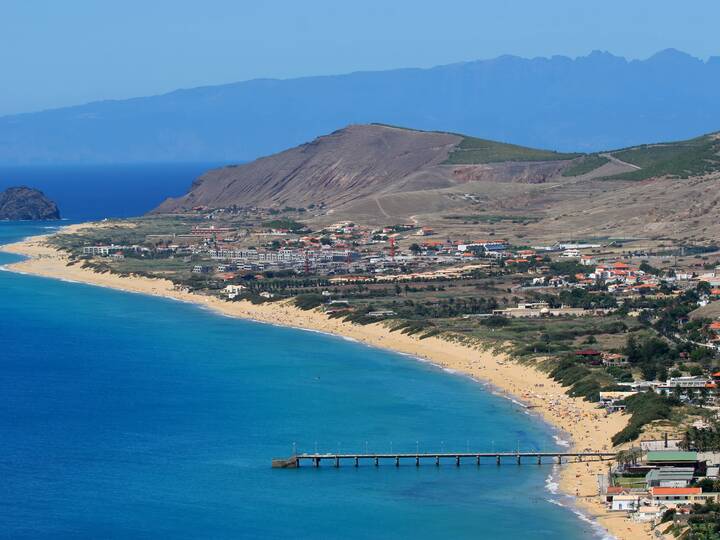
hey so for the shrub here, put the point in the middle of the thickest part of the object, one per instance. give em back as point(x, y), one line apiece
point(309, 301)
point(644, 408)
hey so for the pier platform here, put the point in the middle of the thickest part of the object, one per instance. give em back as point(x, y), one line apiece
point(457, 458)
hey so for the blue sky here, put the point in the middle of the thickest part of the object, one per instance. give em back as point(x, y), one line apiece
point(55, 53)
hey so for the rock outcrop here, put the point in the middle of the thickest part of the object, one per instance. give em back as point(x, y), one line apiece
point(24, 203)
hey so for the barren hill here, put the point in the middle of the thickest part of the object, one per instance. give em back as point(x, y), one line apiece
point(379, 175)
point(366, 162)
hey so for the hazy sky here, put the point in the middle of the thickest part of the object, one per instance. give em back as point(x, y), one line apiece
point(63, 52)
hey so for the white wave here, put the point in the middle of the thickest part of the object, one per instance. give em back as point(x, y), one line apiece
point(598, 530)
point(561, 442)
point(552, 485)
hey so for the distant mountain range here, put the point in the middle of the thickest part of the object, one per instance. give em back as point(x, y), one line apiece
point(589, 103)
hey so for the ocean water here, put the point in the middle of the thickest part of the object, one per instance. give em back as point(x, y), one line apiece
point(85, 192)
point(128, 416)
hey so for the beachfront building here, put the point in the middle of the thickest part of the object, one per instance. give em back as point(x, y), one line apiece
point(614, 401)
point(232, 291)
point(677, 459)
point(675, 477)
point(104, 251)
point(673, 497)
point(625, 503)
point(689, 386)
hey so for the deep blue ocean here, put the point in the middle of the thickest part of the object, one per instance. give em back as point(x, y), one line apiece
point(86, 192)
point(128, 416)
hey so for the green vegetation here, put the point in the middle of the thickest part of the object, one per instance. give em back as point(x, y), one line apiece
point(284, 223)
point(644, 408)
point(585, 165)
point(309, 301)
point(583, 381)
point(677, 160)
point(702, 439)
point(703, 522)
point(630, 481)
point(472, 151)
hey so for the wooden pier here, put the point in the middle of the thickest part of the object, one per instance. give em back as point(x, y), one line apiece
point(457, 458)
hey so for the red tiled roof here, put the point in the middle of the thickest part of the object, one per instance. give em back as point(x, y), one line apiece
point(676, 491)
point(587, 352)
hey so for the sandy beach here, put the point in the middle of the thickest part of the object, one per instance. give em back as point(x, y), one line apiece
point(589, 428)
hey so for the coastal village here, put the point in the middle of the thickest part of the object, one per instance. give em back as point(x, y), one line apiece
point(630, 326)
point(360, 270)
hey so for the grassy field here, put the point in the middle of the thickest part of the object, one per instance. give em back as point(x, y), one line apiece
point(127, 232)
point(681, 159)
point(547, 335)
point(472, 151)
point(585, 165)
point(630, 482)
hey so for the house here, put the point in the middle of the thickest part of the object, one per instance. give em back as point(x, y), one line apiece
point(232, 291)
point(613, 400)
point(685, 385)
point(624, 503)
point(570, 254)
point(590, 356)
point(675, 477)
point(200, 269)
point(674, 495)
point(382, 313)
point(614, 360)
point(612, 491)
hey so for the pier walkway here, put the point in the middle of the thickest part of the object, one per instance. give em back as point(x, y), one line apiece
point(437, 458)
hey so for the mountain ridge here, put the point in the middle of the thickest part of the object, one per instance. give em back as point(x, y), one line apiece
point(586, 104)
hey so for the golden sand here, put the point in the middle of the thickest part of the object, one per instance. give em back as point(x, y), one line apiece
point(590, 428)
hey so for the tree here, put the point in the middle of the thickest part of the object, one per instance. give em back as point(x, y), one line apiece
point(703, 288)
point(696, 371)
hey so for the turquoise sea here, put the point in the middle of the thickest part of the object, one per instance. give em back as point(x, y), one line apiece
point(128, 416)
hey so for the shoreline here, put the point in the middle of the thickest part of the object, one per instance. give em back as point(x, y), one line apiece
point(587, 426)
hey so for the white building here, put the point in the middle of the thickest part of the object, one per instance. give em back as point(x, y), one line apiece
point(625, 503)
